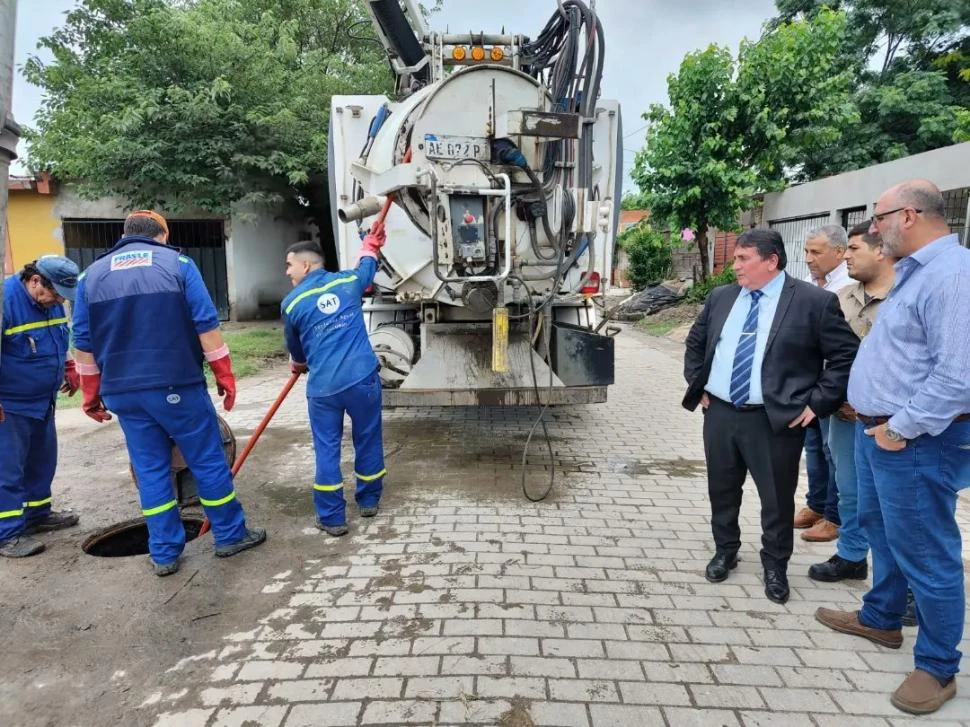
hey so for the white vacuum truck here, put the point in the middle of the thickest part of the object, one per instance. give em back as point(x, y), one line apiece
point(499, 168)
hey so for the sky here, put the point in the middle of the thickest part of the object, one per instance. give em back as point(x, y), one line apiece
point(645, 41)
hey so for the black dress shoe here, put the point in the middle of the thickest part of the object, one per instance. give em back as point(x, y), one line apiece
point(776, 585)
point(717, 569)
point(837, 569)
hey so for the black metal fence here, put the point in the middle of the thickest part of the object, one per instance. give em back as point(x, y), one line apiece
point(202, 240)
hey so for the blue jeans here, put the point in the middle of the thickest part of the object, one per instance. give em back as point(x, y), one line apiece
point(362, 402)
point(907, 506)
point(823, 492)
point(852, 544)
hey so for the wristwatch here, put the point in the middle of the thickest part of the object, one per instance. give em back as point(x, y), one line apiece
point(893, 436)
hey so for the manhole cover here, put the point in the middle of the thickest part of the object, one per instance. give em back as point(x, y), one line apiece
point(131, 538)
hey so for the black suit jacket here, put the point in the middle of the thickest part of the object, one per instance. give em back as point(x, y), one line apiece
point(807, 358)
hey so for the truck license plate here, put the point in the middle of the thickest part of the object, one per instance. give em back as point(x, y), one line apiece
point(456, 147)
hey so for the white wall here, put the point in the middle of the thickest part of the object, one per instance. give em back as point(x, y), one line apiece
point(948, 168)
point(255, 264)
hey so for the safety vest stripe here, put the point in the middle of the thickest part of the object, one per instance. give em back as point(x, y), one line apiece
point(220, 501)
point(328, 488)
point(11, 513)
point(161, 508)
point(314, 291)
point(369, 478)
point(38, 503)
point(35, 324)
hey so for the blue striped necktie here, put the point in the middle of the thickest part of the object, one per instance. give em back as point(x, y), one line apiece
point(744, 355)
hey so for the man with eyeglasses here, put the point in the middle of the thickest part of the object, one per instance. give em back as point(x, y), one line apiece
point(910, 385)
point(34, 365)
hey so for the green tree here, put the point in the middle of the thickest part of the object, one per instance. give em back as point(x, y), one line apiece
point(911, 66)
point(732, 130)
point(649, 253)
point(200, 103)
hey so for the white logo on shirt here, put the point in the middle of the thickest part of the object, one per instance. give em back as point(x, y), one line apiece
point(328, 303)
point(173, 398)
point(133, 259)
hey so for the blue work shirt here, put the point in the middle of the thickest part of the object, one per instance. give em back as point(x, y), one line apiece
point(722, 368)
point(914, 366)
point(324, 328)
point(35, 343)
point(139, 310)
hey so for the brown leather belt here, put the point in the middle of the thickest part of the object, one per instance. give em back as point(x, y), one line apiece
point(876, 421)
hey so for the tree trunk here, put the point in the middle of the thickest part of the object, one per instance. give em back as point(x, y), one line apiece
point(703, 249)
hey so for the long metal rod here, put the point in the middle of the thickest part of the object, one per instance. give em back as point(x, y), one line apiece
point(290, 383)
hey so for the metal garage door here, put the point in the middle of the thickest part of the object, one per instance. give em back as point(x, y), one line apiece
point(793, 232)
point(202, 240)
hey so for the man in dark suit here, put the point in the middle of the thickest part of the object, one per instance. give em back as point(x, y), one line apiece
point(765, 358)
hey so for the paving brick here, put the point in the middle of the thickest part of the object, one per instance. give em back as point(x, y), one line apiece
point(185, 718)
point(746, 674)
point(586, 690)
point(572, 647)
point(259, 670)
point(407, 711)
point(473, 712)
point(559, 714)
point(406, 665)
point(478, 664)
point(254, 716)
point(510, 687)
point(300, 690)
point(611, 715)
point(472, 627)
point(234, 694)
point(510, 645)
point(372, 688)
point(439, 688)
point(344, 667)
point(770, 719)
point(709, 695)
point(542, 666)
point(609, 669)
point(798, 700)
point(687, 717)
point(654, 693)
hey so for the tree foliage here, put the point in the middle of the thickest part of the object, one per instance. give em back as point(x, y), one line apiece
point(733, 129)
point(649, 253)
point(911, 65)
point(200, 103)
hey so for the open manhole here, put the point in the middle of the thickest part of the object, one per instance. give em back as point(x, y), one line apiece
point(131, 538)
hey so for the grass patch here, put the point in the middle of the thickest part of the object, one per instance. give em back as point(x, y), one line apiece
point(657, 326)
point(251, 349)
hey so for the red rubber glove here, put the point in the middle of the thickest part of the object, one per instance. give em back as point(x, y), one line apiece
point(91, 393)
point(225, 380)
point(374, 240)
point(72, 379)
point(2, 415)
point(297, 368)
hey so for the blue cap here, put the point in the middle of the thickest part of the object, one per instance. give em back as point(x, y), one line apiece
point(62, 272)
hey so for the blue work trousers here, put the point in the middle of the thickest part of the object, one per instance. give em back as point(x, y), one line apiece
point(362, 402)
point(852, 544)
point(907, 506)
point(823, 491)
point(151, 419)
point(28, 458)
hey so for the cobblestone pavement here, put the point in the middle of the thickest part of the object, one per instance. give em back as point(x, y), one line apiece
point(464, 603)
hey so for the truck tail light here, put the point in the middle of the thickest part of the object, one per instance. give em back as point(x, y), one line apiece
point(591, 284)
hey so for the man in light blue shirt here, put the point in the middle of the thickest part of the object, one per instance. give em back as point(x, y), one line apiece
point(910, 385)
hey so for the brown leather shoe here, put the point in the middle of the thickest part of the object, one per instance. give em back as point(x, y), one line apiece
point(806, 518)
point(848, 623)
point(821, 532)
point(922, 693)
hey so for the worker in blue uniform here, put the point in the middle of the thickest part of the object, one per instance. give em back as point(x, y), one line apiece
point(34, 364)
point(143, 323)
point(326, 335)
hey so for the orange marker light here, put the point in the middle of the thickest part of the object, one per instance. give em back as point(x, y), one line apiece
point(459, 53)
point(478, 53)
point(497, 54)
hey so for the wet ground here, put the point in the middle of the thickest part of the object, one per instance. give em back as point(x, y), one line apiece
point(461, 603)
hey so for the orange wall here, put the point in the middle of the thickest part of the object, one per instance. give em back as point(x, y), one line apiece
point(34, 229)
